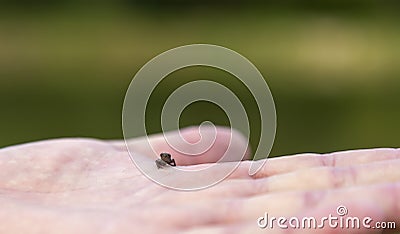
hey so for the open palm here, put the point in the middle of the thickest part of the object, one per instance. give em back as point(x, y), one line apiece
point(92, 186)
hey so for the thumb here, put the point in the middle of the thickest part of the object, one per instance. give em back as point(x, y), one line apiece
point(185, 147)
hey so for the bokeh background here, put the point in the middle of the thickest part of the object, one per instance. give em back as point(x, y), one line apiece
point(333, 66)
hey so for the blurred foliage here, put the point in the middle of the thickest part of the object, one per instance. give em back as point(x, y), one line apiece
point(332, 66)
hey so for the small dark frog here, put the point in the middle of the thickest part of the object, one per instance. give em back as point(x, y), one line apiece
point(165, 161)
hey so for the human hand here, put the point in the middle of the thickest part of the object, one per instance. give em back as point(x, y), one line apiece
point(91, 186)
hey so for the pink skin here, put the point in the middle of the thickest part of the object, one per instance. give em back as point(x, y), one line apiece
point(91, 186)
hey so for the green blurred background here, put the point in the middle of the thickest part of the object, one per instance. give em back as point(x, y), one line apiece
point(333, 66)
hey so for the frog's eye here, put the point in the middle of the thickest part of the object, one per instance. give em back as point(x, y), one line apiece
point(165, 155)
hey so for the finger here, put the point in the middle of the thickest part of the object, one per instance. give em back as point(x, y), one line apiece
point(287, 164)
point(335, 177)
point(316, 178)
point(224, 138)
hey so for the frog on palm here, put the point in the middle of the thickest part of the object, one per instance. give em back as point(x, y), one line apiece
point(165, 160)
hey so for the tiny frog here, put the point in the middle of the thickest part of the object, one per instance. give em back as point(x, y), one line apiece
point(165, 161)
